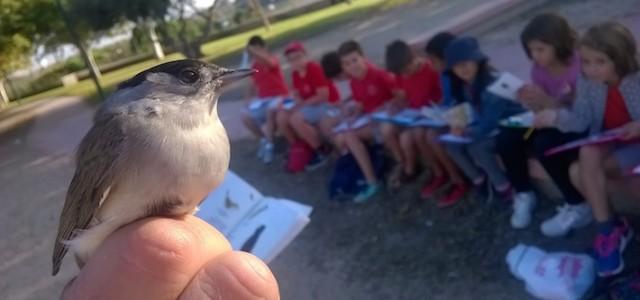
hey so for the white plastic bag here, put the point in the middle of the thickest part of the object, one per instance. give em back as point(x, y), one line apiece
point(552, 276)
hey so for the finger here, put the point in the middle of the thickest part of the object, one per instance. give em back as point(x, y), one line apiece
point(153, 258)
point(233, 275)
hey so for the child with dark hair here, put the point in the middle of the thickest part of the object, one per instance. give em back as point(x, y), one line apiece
point(608, 98)
point(418, 86)
point(470, 75)
point(332, 68)
point(371, 89)
point(267, 91)
point(550, 43)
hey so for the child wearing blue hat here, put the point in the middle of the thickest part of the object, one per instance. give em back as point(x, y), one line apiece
point(471, 74)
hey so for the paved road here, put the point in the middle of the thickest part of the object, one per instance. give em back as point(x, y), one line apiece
point(36, 160)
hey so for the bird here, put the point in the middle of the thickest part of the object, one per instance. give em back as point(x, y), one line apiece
point(156, 148)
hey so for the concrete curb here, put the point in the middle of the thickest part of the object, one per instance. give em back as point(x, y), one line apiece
point(485, 16)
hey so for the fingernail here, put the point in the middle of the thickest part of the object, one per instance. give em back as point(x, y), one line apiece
point(258, 266)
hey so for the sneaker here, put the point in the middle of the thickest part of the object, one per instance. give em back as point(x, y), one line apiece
point(316, 162)
point(608, 249)
point(434, 185)
point(523, 204)
point(454, 196)
point(267, 156)
point(567, 217)
point(261, 148)
point(367, 193)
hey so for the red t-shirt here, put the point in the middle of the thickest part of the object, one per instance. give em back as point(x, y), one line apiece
point(616, 113)
point(269, 80)
point(306, 85)
point(374, 89)
point(422, 87)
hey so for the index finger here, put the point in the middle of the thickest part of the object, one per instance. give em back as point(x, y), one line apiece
point(154, 258)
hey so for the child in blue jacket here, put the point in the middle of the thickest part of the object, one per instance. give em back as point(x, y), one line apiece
point(470, 74)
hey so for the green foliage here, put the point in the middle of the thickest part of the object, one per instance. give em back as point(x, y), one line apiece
point(22, 25)
point(103, 15)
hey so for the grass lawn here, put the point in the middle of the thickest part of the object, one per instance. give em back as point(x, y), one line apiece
point(311, 22)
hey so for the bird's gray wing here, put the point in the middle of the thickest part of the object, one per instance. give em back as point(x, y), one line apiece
point(97, 163)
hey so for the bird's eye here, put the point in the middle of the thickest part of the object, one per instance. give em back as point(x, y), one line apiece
point(189, 76)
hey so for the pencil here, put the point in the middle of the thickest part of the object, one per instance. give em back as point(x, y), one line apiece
point(527, 135)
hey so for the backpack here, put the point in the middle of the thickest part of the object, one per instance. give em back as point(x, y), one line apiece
point(347, 178)
point(299, 156)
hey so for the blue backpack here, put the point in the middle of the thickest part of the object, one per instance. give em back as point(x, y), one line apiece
point(347, 179)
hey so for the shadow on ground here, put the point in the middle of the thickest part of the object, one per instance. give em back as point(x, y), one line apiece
point(397, 246)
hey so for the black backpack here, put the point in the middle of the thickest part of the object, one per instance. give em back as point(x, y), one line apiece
point(347, 179)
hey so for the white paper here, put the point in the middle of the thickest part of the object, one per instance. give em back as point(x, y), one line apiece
point(228, 204)
point(357, 124)
point(269, 228)
point(523, 120)
point(506, 86)
point(405, 117)
point(261, 225)
point(425, 122)
point(288, 104)
point(455, 139)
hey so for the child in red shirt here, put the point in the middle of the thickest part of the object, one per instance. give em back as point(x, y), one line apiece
point(312, 91)
point(371, 89)
point(419, 85)
point(267, 91)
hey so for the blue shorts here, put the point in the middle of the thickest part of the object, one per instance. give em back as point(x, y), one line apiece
point(259, 107)
point(313, 113)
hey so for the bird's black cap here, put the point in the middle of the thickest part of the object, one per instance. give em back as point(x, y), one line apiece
point(172, 68)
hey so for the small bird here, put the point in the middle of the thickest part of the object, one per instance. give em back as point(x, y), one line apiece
point(156, 148)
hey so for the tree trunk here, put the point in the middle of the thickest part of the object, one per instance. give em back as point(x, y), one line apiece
point(157, 47)
point(92, 64)
point(3, 94)
point(262, 14)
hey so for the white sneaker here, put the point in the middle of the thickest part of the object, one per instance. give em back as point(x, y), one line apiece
point(568, 217)
point(261, 148)
point(267, 157)
point(523, 204)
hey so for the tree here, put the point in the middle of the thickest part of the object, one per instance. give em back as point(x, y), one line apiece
point(102, 15)
point(22, 25)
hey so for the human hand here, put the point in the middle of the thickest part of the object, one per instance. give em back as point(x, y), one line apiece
point(630, 131)
point(164, 258)
point(534, 98)
point(545, 118)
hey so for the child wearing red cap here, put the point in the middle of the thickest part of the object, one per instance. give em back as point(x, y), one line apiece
point(267, 91)
point(312, 92)
point(371, 89)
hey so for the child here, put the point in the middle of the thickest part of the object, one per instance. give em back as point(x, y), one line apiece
point(608, 97)
point(549, 42)
point(312, 91)
point(470, 75)
point(268, 89)
point(419, 86)
point(371, 89)
point(332, 68)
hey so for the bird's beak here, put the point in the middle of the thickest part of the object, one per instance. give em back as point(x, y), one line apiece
point(230, 76)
